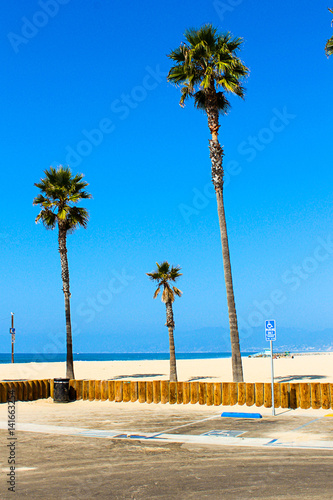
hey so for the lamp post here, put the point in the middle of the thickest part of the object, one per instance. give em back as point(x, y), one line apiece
point(12, 331)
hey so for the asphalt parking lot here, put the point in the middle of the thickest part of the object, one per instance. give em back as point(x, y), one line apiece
point(132, 451)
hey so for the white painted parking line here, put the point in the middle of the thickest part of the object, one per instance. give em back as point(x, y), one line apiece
point(216, 440)
point(20, 469)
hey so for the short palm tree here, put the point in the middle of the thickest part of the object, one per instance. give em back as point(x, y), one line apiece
point(329, 43)
point(207, 68)
point(162, 276)
point(60, 191)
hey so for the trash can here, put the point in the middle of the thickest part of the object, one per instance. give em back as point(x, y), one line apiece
point(61, 390)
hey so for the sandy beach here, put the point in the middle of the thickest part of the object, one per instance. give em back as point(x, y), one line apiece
point(300, 368)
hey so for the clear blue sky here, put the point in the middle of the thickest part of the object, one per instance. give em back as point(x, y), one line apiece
point(83, 83)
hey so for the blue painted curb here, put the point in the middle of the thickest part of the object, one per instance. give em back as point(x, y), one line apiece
point(240, 415)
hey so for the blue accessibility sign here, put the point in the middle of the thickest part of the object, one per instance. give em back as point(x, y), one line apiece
point(270, 329)
point(12, 331)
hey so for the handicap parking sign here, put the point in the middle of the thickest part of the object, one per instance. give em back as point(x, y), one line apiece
point(270, 329)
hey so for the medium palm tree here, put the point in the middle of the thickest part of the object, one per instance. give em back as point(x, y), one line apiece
point(329, 43)
point(207, 68)
point(163, 275)
point(60, 191)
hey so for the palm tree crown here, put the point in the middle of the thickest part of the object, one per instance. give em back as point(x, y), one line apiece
point(163, 275)
point(329, 43)
point(60, 191)
point(207, 68)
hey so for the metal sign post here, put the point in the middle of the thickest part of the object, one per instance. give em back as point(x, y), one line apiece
point(270, 335)
point(12, 331)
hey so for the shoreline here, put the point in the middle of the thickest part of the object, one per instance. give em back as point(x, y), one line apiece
point(302, 367)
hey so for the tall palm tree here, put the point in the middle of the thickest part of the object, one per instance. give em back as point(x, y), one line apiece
point(60, 191)
point(329, 43)
point(163, 275)
point(207, 68)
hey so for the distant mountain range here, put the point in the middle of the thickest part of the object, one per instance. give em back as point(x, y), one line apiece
point(210, 339)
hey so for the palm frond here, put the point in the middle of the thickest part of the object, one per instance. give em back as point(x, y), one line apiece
point(48, 218)
point(177, 291)
point(329, 47)
point(167, 295)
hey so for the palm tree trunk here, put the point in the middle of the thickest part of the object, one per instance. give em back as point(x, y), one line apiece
point(65, 282)
point(216, 155)
point(171, 325)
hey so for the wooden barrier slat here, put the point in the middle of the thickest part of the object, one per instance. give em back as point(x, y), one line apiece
point(331, 393)
point(164, 391)
point(85, 390)
point(277, 395)
point(126, 391)
point(305, 395)
point(194, 392)
point(44, 389)
point(249, 394)
point(225, 394)
point(233, 393)
point(180, 393)
point(98, 389)
point(202, 393)
point(173, 393)
point(2, 391)
point(35, 390)
point(142, 391)
point(156, 391)
point(149, 391)
point(51, 388)
point(267, 395)
point(111, 390)
point(79, 389)
point(20, 387)
point(259, 394)
point(72, 390)
point(118, 389)
point(187, 393)
point(217, 393)
point(8, 389)
point(315, 395)
point(29, 392)
point(294, 398)
point(91, 390)
point(104, 390)
point(285, 395)
point(210, 393)
point(134, 391)
point(325, 396)
point(14, 390)
point(241, 393)
point(25, 390)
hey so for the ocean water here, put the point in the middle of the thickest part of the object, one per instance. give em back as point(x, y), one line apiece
point(56, 357)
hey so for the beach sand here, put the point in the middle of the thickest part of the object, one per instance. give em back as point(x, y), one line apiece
point(301, 368)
